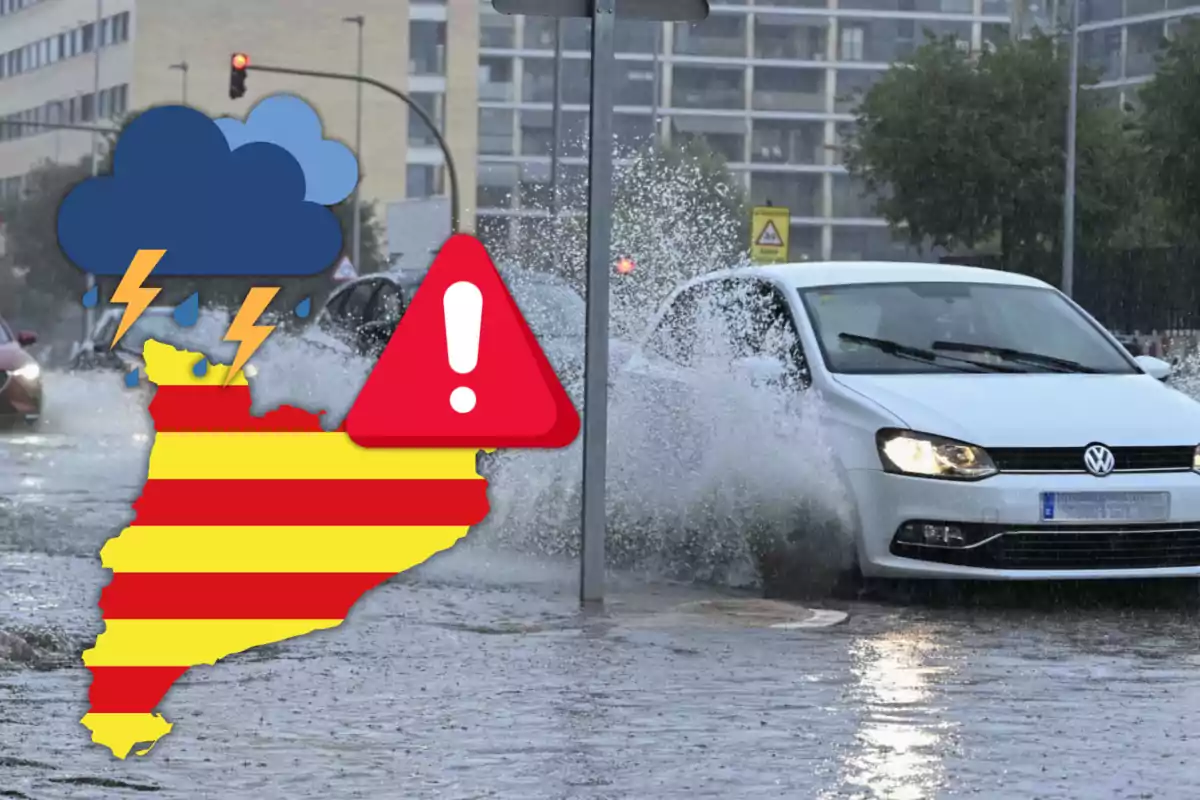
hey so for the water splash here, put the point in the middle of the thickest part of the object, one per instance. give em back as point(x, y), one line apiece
point(304, 308)
point(187, 313)
point(91, 297)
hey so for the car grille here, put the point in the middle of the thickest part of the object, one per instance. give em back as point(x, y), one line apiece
point(1075, 547)
point(1070, 459)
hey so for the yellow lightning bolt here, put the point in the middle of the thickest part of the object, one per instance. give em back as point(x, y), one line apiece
point(132, 294)
point(243, 330)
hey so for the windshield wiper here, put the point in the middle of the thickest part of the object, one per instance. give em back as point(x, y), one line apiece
point(1018, 356)
point(920, 354)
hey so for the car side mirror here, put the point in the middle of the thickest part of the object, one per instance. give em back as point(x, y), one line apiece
point(26, 338)
point(1154, 367)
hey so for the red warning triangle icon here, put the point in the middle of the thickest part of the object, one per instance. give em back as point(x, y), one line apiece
point(463, 369)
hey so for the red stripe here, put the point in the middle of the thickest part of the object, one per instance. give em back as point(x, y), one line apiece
point(221, 595)
point(193, 409)
point(130, 690)
point(312, 502)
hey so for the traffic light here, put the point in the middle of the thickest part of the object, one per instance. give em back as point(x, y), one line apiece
point(237, 75)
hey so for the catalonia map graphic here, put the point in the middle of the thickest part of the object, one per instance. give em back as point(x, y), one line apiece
point(252, 530)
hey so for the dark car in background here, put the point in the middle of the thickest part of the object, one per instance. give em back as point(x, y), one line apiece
point(364, 313)
point(20, 378)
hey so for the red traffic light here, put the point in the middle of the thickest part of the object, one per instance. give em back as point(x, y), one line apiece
point(240, 60)
point(625, 265)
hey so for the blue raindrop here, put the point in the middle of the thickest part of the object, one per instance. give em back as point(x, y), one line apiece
point(91, 297)
point(304, 308)
point(131, 378)
point(200, 368)
point(187, 312)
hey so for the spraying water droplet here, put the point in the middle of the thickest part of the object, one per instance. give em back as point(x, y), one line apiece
point(131, 378)
point(200, 368)
point(304, 308)
point(187, 312)
point(91, 297)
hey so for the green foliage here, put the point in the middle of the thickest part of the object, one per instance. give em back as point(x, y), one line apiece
point(968, 149)
point(1170, 132)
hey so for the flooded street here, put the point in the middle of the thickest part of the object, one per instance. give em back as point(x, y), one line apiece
point(476, 676)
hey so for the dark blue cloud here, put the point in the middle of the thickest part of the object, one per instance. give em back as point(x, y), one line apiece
point(176, 186)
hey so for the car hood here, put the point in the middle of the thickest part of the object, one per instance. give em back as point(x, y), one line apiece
point(1036, 410)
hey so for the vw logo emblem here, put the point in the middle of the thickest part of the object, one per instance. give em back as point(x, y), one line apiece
point(1099, 460)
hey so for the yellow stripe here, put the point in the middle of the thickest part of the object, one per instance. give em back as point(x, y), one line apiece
point(276, 548)
point(188, 642)
point(166, 366)
point(298, 456)
point(120, 732)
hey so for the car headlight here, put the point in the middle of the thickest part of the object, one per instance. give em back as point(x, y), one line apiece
point(912, 453)
point(28, 372)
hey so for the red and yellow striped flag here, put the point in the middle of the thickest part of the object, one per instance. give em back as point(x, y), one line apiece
point(252, 530)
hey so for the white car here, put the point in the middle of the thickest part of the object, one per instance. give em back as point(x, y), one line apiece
point(983, 424)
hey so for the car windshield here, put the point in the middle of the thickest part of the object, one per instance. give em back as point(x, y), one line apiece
point(947, 327)
point(5, 335)
point(551, 309)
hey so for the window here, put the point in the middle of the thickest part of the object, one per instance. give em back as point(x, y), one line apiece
point(354, 311)
point(87, 107)
point(422, 180)
point(427, 47)
point(937, 316)
point(718, 322)
point(852, 43)
point(419, 134)
point(88, 38)
point(388, 305)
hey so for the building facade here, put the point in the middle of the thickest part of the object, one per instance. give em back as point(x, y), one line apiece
point(1121, 40)
point(51, 52)
point(770, 84)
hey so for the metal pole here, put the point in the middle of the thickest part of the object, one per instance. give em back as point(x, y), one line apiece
point(356, 247)
point(89, 315)
point(1068, 262)
point(557, 115)
point(656, 65)
point(451, 170)
point(600, 218)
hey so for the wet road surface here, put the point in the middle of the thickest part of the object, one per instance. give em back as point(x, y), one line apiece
point(476, 676)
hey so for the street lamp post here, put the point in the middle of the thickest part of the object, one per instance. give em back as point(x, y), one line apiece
point(1068, 262)
point(88, 313)
point(356, 247)
point(182, 66)
point(556, 118)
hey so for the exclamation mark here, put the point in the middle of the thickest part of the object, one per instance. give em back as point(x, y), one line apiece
point(463, 306)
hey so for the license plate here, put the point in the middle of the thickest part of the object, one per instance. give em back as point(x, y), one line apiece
point(1106, 506)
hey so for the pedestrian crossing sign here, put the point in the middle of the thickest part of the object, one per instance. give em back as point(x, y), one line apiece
point(769, 229)
point(345, 271)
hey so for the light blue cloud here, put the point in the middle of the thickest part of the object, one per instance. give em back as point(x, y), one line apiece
point(330, 167)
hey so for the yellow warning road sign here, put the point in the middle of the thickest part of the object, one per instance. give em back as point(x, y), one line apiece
point(769, 229)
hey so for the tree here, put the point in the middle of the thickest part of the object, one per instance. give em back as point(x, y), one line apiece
point(1170, 131)
point(964, 149)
